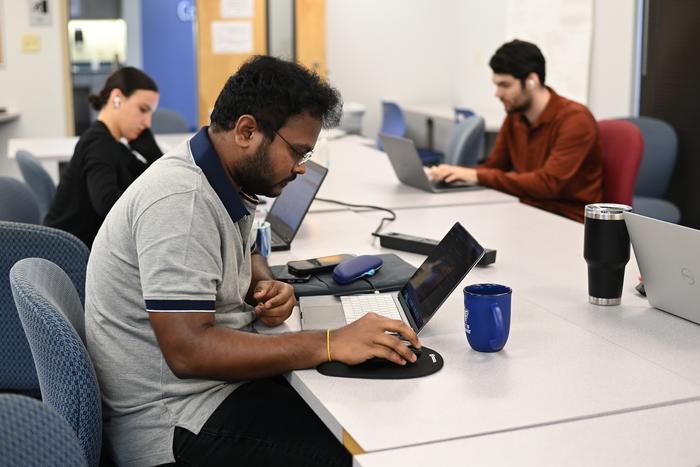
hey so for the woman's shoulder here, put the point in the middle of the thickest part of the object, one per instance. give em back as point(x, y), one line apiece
point(97, 142)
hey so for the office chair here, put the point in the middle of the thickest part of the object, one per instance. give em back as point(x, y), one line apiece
point(168, 121)
point(47, 302)
point(621, 149)
point(33, 434)
point(38, 180)
point(462, 112)
point(19, 241)
point(658, 162)
point(467, 142)
point(394, 124)
point(17, 202)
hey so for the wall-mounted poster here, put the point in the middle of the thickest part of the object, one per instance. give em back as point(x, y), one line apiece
point(39, 13)
point(2, 34)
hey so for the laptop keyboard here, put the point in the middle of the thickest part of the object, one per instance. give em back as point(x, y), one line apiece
point(276, 239)
point(356, 306)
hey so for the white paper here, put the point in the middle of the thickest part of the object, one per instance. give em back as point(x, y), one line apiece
point(232, 37)
point(563, 31)
point(236, 8)
point(39, 13)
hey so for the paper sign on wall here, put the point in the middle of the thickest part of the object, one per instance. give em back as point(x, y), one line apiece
point(232, 37)
point(39, 13)
point(236, 8)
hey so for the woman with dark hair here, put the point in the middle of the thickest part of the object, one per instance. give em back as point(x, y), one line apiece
point(109, 156)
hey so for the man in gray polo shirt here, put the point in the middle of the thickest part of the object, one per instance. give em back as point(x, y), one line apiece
point(174, 284)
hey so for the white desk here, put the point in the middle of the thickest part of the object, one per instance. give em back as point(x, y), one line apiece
point(61, 149)
point(551, 371)
point(653, 437)
point(361, 174)
point(541, 256)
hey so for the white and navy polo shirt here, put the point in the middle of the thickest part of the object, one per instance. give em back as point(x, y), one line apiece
point(178, 240)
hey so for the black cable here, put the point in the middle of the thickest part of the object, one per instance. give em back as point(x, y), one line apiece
point(365, 206)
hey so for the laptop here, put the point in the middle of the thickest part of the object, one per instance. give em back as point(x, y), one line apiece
point(409, 169)
point(290, 208)
point(416, 302)
point(668, 256)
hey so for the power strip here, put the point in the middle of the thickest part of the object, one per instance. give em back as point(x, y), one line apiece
point(422, 246)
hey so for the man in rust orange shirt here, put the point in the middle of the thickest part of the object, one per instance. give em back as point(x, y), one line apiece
point(548, 150)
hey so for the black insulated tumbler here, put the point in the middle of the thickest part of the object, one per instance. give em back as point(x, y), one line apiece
point(606, 248)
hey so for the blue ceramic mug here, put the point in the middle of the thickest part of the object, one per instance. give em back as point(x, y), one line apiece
point(487, 316)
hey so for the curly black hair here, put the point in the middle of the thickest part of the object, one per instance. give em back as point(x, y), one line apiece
point(519, 59)
point(272, 91)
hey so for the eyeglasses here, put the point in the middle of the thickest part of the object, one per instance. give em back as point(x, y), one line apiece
point(303, 157)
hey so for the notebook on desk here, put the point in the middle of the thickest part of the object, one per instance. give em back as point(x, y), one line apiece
point(668, 256)
point(290, 208)
point(416, 302)
point(409, 169)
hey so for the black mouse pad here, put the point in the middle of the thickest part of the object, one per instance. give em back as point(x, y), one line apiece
point(428, 363)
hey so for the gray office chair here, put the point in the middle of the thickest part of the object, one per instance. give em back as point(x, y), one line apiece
point(466, 145)
point(656, 169)
point(38, 180)
point(32, 434)
point(168, 121)
point(17, 202)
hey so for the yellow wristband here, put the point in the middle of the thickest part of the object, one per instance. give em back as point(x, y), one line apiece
point(328, 342)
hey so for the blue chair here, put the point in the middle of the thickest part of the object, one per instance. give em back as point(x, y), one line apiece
point(462, 112)
point(394, 124)
point(658, 162)
point(168, 121)
point(467, 142)
point(33, 434)
point(17, 202)
point(38, 180)
point(19, 241)
point(46, 302)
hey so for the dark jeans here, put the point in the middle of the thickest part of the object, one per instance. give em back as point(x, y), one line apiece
point(263, 422)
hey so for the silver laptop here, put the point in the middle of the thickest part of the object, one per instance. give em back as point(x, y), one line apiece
point(668, 256)
point(409, 168)
point(418, 299)
point(290, 208)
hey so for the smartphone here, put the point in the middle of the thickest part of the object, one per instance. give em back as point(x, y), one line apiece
point(314, 265)
point(289, 278)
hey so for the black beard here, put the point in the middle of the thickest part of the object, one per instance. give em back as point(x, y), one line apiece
point(251, 175)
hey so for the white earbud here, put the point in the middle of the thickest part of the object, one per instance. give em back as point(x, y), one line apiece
point(116, 102)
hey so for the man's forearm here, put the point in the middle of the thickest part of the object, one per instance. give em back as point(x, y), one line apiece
point(229, 355)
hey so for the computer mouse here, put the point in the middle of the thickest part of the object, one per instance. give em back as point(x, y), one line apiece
point(378, 361)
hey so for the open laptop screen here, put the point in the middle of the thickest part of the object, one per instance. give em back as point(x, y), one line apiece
point(440, 273)
point(290, 207)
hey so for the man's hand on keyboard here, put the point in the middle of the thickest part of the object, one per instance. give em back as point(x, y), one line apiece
point(367, 338)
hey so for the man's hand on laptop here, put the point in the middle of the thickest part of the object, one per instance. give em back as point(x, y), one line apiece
point(452, 173)
point(275, 302)
point(368, 337)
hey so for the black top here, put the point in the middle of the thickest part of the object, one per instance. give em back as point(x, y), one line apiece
point(98, 173)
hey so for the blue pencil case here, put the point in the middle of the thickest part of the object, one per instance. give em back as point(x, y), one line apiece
point(355, 268)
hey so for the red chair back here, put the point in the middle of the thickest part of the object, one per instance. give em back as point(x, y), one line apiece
point(622, 146)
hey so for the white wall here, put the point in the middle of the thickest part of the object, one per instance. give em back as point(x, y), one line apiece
point(394, 49)
point(32, 83)
point(429, 51)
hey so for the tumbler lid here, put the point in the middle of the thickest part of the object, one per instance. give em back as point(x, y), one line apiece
point(606, 211)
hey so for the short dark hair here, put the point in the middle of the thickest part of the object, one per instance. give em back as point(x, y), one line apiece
point(518, 58)
point(272, 91)
point(127, 80)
